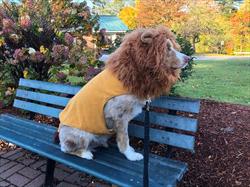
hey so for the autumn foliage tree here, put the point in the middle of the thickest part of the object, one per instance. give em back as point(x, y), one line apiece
point(149, 13)
point(203, 20)
point(210, 25)
point(156, 12)
point(128, 16)
point(240, 23)
point(111, 7)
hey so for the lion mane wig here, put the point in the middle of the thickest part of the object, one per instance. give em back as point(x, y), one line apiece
point(143, 63)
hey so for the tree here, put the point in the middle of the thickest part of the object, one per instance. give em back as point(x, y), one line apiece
point(128, 16)
point(104, 7)
point(240, 23)
point(203, 18)
point(156, 12)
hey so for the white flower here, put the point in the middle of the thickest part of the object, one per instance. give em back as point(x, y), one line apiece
point(31, 50)
point(7, 93)
point(40, 29)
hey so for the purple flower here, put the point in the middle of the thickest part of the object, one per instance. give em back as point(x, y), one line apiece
point(37, 57)
point(8, 25)
point(60, 52)
point(66, 52)
point(19, 55)
point(61, 75)
point(83, 60)
point(8, 22)
point(68, 39)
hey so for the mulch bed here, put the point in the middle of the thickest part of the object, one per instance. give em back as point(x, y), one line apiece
point(222, 156)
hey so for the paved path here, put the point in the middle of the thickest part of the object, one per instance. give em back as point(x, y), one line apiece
point(20, 168)
point(221, 57)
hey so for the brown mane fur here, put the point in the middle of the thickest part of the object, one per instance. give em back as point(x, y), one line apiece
point(143, 67)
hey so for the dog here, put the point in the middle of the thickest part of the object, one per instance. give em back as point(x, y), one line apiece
point(145, 66)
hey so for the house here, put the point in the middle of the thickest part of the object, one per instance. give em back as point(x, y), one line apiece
point(113, 25)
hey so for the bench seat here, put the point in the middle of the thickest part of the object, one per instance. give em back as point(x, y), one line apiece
point(108, 163)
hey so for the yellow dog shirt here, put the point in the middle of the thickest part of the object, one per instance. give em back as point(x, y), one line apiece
point(85, 110)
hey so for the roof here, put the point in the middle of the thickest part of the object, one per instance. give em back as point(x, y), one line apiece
point(112, 23)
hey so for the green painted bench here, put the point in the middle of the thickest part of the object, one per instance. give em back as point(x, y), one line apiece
point(108, 164)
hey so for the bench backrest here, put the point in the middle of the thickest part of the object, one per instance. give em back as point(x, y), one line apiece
point(50, 98)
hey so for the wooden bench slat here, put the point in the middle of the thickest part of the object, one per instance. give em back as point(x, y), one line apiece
point(46, 98)
point(25, 127)
point(105, 167)
point(165, 137)
point(174, 103)
point(49, 86)
point(15, 119)
point(125, 166)
point(172, 121)
point(154, 160)
point(41, 109)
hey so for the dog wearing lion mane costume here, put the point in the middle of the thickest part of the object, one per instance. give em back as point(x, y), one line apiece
point(146, 65)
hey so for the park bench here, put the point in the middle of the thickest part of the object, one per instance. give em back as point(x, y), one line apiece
point(48, 99)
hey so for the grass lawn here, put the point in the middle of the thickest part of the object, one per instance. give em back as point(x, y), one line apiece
point(220, 80)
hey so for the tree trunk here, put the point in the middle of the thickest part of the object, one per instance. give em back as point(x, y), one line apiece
point(193, 43)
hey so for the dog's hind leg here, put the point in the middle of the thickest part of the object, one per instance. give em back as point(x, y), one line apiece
point(123, 143)
point(75, 142)
point(70, 147)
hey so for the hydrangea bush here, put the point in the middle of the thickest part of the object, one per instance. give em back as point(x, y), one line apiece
point(43, 40)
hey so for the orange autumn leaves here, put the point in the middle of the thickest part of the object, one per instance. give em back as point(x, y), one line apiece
point(240, 27)
point(147, 13)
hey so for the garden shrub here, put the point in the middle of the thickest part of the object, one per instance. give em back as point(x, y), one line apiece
point(43, 40)
point(186, 48)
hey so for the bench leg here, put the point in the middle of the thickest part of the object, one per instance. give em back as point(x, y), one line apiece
point(49, 173)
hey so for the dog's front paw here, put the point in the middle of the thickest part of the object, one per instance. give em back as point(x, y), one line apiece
point(87, 155)
point(132, 155)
